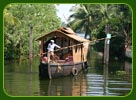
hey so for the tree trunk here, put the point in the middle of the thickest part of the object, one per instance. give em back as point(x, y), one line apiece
point(87, 28)
point(31, 47)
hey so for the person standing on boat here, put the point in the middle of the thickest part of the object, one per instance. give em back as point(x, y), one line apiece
point(50, 49)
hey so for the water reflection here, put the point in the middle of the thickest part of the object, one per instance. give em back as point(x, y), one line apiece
point(109, 83)
point(103, 83)
point(64, 86)
point(114, 79)
point(105, 73)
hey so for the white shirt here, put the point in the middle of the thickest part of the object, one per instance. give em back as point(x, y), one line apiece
point(52, 46)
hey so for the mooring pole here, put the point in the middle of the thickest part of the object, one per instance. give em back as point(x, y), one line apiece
point(106, 48)
point(31, 47)
point(104, 61)
point(105, 73)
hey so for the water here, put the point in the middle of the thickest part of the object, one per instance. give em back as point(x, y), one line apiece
point(98, 80)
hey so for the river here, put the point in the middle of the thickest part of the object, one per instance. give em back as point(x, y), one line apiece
point(114, 79)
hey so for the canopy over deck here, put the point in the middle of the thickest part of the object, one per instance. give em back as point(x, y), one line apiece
point(64, 32)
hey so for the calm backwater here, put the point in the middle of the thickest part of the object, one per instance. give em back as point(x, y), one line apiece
point(99, 80)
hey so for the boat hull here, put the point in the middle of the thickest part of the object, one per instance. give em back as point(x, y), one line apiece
point(60, 70)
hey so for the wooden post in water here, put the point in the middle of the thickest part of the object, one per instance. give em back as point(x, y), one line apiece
point(31, 47)
point(49, 68)
point(105, 73)
point(105, 51)
point(106, 48)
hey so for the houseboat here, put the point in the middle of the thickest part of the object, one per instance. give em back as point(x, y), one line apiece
point(71, 58)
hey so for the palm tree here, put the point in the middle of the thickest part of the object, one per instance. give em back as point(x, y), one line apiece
point(117, 20)
point(108, 15)
point(118, 17)
point(91, 18)
point(81, 19)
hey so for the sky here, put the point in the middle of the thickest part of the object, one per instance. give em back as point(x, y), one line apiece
point(63, 11)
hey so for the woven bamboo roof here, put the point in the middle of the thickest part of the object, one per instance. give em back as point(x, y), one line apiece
point(64, 32)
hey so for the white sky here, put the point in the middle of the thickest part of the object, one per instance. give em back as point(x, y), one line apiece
point(63, 11)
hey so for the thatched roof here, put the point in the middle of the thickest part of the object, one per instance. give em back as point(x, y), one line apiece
point(64, 32)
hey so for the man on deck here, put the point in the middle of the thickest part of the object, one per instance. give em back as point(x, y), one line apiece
point(50, 48)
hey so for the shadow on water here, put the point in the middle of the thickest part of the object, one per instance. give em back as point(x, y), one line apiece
point(114, 79)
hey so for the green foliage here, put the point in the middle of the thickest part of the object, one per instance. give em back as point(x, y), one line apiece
point(81, 19)
point(17, 21)
point(99, 46)
point(120, 73)
point(97, 20)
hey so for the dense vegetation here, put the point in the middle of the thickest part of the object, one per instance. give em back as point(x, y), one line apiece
point(96, 20)
point(18, 19)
